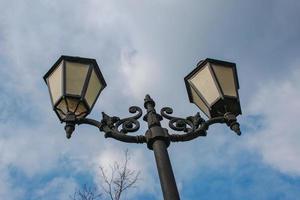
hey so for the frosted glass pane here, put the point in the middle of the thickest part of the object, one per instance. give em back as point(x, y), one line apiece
point(225, 77)
point(204, 83)
point(80, 111)
point(93, 89)
point(61, 114)
point(72, 104)
point(55, 83)
point(76, 106)
point(197, 100)
point(62, 106)
point(75, 77)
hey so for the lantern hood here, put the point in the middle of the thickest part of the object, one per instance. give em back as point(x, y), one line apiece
point(79, 60)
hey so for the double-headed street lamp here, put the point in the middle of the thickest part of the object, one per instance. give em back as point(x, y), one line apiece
point(75, 83)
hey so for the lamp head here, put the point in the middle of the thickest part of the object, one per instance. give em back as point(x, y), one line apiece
point(74, 85)
point(213, 87)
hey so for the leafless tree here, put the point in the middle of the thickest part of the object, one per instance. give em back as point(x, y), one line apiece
point(115, 181)
point(86, 193)
point(121, 178)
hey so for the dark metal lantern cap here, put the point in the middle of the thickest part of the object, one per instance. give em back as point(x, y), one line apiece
point(78, 60)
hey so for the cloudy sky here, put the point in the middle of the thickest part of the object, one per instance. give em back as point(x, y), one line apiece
point(148, 47)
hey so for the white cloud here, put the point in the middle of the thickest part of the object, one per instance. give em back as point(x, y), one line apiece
point(30, 43)
point(141, 42)
point(32, 150)
point(139, 161)
point(140, 73)
point(277, 102)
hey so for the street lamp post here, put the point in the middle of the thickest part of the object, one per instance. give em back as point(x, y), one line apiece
point(75, 83)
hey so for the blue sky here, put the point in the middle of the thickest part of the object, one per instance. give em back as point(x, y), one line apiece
point(136, 42)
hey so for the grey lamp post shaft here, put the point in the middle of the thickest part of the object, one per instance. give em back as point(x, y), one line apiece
point(165, 171)
point(158, 141)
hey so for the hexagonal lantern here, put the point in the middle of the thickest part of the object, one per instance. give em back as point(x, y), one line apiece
point(213, 87)
point(74, 85)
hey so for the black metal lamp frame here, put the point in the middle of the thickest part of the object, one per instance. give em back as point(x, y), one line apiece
point(157, 138)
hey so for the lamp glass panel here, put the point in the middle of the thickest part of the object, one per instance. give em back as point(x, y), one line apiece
point(93, 89)
point(81, 110)
point(225, 76)
point(205, 84)
point(76, 106)
point(61, 114)
point(198, 101)
point(76, 74)
point(72, 104)
point(62, 107)
point(55, 84)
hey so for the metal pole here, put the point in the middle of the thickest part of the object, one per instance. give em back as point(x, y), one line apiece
point(164, 168)
point(158, 140)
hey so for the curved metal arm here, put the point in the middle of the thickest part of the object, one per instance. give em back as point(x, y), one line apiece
point(90, 122)
point(195, 126)
point(114, 127)
point(110, 126)
point(109, 133)
point(188, 125)
point(201, 131)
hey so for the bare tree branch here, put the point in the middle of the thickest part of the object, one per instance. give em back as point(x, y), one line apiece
point(122, 178)
point(86, 193)
point(119, 179)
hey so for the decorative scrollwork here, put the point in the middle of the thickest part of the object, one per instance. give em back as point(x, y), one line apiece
point(188, 125)
point(114, 127)
point(110, 125)
point(129, 124)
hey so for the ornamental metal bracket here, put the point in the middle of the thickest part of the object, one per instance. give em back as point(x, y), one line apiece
point(195, 126)
point(117, 128)
point(187, 125)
